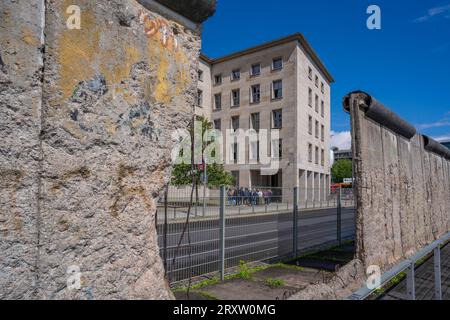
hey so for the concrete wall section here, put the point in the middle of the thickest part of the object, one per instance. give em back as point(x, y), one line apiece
point(402, 189)
point(86, 141)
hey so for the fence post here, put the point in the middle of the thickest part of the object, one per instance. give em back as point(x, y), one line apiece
point(222, 233)
point(295, 223)
point(339, 217)
point(437, 273)
point(411, 282)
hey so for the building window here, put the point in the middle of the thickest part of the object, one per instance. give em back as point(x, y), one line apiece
point(218, 101)
point(200, 75)
point(235, 98)
point(322, 108)
point(322, 158)
point(277, 148)
point(317, 129)
point(235, 123)
point(317, 155)
point(256, 69)
point(235, 175)
point(317, 81)
point(218, 79)
point(277, 89)
point(218, 124)
point(277, 119)
point(234, 152)
point(322, 87)
point(317, 103)
point(199, 98)
point(310, 73)
point(255, 94)
point(310, 152)
point(322, 133)
point(310, 125)
point(236, 74)
point(310, 97)
point(277, 63)
point(254, 151)
point(255, 121)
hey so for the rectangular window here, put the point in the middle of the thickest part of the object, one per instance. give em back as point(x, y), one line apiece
point(255, 69)
point(310, 73)
point(200, 75)
point(218, 101)
point(277, 89)
point(218, 79)
point(280, 148)
point(322, 133)
point(322, 87)
point(317, 81)
point(317, 155)
point(322, 158)
point(218, 124)
point(310, 152)
point(199, 98)
point(235, 98)
point(254, 151)
point(310, 125)
point(235, 123)
point(322, 108)
point(235, 175)
point(317, 103)
point(255, 121)
point(277, 119)
point(310, 97)
point(234, 152)
point(256, 93)
point(236, 74)
point(277, 63)
point(317, 129)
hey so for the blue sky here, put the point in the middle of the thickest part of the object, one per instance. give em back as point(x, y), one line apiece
point(405, 65)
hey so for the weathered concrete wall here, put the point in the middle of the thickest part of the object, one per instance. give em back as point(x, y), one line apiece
point(403, 190)
point(86, 124)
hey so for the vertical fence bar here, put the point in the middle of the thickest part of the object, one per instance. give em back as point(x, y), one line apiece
point(166, 192)
point(437, 273)
point(339, 217)
point(222, 233)
point(295, 223)
point(411, 282)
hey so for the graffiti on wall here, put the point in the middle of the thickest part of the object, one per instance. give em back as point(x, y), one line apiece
point(159, 27)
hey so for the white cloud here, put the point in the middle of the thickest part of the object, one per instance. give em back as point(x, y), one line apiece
point(341, 140)
point(436, 124)
point(436, 11)
point(442, 138)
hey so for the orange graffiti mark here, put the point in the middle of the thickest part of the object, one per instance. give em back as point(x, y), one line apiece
point(159, 26)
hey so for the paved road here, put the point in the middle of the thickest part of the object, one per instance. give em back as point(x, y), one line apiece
point(249, 237)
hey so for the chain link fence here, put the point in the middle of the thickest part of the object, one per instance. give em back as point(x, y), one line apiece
point(261, 224)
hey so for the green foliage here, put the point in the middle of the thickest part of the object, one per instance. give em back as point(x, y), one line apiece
point(244, 271)
point(274, 282)
point(341, 170)
point(217, 176)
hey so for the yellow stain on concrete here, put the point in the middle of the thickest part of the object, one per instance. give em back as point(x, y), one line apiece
point(81, 58)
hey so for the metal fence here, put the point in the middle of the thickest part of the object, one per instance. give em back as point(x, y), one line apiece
point(224, 230)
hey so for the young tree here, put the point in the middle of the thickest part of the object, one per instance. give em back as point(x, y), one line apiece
point(341, 170)
point(217, 176)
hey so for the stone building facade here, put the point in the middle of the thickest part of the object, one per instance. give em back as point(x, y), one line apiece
point(277, 85)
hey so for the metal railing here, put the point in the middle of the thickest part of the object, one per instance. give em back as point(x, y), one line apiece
point(409, 266)
point(229, 233)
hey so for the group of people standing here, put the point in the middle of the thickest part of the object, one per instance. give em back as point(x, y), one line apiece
point(245, 196)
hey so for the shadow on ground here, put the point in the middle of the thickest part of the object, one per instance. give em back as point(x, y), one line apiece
point(272, 282)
